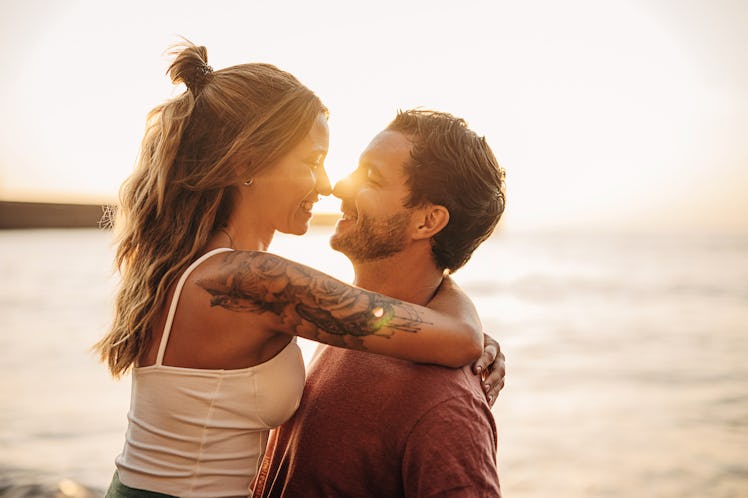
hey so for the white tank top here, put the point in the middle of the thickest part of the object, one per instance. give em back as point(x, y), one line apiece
point(202, 433)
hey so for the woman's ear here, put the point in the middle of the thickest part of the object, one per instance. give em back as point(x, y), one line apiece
point(431, 220)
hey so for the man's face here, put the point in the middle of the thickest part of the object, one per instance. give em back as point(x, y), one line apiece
point(375, 220)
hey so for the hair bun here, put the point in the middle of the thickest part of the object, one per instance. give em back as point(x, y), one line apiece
point(197, 79)
point(190, 66)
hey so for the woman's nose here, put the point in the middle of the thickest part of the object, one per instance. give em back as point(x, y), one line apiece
point(323, 182)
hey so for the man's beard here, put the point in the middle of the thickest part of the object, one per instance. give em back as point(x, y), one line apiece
point(370, 240)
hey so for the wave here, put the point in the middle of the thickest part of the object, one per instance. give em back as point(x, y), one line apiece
point(25, 483)
point(543, 287)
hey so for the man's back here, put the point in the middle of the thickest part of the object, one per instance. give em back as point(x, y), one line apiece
point(369, 425)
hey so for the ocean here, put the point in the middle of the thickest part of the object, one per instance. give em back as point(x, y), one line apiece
point(626, 360)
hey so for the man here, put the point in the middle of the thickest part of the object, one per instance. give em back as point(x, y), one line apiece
point(426, 193)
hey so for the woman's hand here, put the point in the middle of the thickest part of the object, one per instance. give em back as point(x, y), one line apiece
point(491, 369)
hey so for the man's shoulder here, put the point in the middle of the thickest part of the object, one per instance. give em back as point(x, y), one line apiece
point(455, 380)
point(418, 386)
point(435, 389)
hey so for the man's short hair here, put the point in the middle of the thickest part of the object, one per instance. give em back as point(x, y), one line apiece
point(450, 165)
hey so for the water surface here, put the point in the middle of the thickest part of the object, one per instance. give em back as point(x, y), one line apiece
point(626, 358)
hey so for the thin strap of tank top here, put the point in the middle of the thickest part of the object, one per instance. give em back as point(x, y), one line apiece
point(175, 300)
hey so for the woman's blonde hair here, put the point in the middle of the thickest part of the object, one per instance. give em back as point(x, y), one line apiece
point(225, 128)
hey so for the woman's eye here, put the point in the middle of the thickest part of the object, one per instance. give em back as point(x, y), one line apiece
point(314, 165)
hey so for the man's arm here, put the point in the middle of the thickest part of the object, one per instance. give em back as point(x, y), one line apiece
point(452, 452)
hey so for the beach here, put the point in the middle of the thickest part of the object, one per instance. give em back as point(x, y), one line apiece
point(626, 370)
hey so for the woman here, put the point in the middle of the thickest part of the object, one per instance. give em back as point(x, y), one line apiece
point(204, 316)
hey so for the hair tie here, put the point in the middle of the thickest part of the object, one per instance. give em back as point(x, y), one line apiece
point(198, 78)
point(205, 68)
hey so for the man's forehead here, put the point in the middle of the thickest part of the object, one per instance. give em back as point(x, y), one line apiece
point(387, 152)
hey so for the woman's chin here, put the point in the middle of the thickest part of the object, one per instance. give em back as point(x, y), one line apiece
point(296, 230)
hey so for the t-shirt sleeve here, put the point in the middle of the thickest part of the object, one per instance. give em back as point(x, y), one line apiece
point(451, 452)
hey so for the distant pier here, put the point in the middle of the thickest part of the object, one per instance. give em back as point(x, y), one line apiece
point(16, 214)
point(49, 215)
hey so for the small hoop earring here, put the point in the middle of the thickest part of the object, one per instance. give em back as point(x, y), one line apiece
point(249, 182)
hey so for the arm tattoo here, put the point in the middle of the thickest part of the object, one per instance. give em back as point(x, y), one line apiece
point(301, 297)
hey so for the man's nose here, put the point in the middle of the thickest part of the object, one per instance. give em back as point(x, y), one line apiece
point(344, 187)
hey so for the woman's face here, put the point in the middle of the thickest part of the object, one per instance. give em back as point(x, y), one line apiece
point(289, 188)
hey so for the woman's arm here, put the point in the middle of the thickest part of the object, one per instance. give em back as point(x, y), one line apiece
point(490, 367)
point(451, 300)
point(299, 300)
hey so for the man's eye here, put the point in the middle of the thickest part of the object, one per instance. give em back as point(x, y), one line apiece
point(370, 178)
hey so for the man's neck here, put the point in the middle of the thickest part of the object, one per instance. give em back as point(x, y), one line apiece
point(408, 277)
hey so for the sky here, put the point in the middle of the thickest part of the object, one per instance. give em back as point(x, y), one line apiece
point(607, 115)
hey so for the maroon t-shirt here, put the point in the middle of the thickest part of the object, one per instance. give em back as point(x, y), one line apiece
point(370, 425)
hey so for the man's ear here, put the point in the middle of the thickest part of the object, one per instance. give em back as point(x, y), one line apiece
point(431, 219)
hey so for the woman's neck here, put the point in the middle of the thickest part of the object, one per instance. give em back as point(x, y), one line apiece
point(239, 240)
